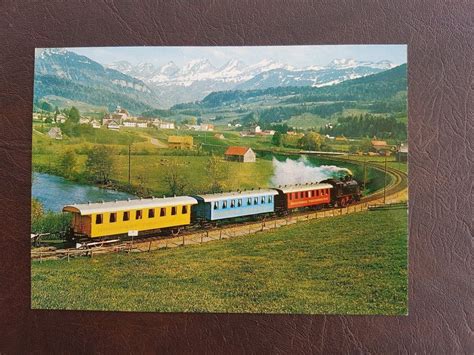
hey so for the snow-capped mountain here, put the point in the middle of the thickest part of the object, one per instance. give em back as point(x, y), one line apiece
point(197, 78)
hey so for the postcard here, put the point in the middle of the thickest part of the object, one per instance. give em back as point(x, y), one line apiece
point(263, 179)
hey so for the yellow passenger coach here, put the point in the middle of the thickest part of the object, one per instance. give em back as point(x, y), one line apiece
point(95, 220)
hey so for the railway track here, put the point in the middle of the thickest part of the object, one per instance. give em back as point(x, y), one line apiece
point(395, 191)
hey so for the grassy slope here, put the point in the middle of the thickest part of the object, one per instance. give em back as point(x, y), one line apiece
point(360, 268)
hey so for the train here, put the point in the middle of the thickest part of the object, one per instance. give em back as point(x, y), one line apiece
point(169, 215)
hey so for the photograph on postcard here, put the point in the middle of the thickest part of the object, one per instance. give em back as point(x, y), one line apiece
point(264, 179)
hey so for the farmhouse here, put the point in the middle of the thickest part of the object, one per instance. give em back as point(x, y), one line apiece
point(381, 147)
point(55, 133)
point(114, 125)
point(180, 142)
point(241, 154)
point(95, 124)
point(166, 125)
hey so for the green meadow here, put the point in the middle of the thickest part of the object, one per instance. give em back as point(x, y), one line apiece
point(352, 264)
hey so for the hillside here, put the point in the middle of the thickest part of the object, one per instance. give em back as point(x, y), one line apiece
point(66, 74)
point(354, 264)
point(380, 86)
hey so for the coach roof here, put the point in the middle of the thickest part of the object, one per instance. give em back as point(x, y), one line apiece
point(237, 194)
point(303, 187)
point(125, 205)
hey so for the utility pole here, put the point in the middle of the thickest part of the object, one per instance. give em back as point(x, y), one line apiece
point(365, 172)
point(129, 149)
point(385, 179)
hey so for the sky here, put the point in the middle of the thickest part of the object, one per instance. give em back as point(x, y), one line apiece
point(298, 56)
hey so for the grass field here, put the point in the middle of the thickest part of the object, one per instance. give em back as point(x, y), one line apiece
point(353, 264)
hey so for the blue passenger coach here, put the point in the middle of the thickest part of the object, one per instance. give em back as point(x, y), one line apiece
point(234, 204)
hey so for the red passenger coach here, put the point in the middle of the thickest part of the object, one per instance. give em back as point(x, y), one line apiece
point(304, 195)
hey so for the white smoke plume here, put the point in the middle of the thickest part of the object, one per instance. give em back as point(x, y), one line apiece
point(290, 172)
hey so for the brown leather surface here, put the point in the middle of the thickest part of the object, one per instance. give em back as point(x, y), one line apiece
point(440, 39)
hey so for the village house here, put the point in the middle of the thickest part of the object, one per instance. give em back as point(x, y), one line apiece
point(402, 152)
point(180, 142)
point(129, 124)
point(381, 147)
point(165, 125)
point(120, 115)
point(255, 130)
point(95, 124)
point(114, 125)
point(55, 133)
point(84, 120)
point(206, 127)
point(60, 118)
point(267, 132)
point(240, 154)
point(142, 124)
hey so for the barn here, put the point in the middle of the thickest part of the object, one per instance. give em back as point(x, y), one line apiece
point(240, 154)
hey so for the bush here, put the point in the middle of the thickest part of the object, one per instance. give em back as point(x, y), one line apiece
point(55, 223)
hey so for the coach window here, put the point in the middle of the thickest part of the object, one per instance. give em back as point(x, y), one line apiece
point(224, 204)
point(98, 219)
point(126, 216)
point(113, 217)
point(270, 199)
point(249, 201)
point(255, 201)
point(216, 205)
point(263, 199)
point(306, 194)
point(173, 210)
point(317, 193)
point(290, 196)
point(138, 214)
point(184, 210)
point(232, 203)
point(151, 213)
point(239, 202)
point(162, 212)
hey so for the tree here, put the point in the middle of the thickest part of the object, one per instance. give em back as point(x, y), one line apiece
point(100, 163)
point(366, 145)
point(37, 210)
point(174, 178)
point(74, 115)
point(46, 106)
point(277, 139)
point(311, 141)
point(67, 163)
point(217, 173)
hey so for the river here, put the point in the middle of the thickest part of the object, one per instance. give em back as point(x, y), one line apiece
point(54, 192)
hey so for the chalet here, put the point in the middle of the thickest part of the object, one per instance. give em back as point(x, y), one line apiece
point(241, 154)
point(219, 136)
point(180, 142)
point(55, 133)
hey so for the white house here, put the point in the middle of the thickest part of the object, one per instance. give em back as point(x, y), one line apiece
point(142, 125)
point(129, 124)
point(95, 124)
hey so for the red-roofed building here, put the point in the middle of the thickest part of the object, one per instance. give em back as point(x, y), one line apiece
point(241, 154)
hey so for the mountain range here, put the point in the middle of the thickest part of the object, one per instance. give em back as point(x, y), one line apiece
point(197, 78)
point(63, 73)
